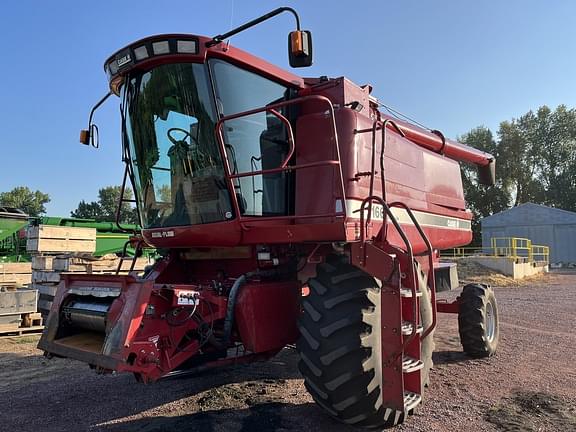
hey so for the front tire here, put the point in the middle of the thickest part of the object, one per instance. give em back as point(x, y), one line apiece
point(478, 321)
point(339, 346)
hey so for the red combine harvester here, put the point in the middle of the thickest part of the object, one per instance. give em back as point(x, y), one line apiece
point(288, 210)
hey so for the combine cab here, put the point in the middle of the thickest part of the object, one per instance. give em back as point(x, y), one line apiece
point(259, 185)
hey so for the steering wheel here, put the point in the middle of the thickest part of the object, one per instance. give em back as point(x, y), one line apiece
point(184, 131)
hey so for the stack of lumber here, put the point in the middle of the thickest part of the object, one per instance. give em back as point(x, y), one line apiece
point(15, 273)
point(59, 249)
point(44, 242)
point(47, 271)
point(48, 239)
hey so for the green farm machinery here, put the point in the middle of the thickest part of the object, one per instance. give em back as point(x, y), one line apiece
point(110, 239)
point(13, 223)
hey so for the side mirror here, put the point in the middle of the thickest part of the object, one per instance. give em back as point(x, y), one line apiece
point(90, 136)
point(300, 48)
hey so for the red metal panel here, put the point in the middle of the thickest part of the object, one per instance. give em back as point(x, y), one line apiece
point(443, 181)
point(319, 198)
point(213, 234)
point(266, 314)
point(445, 307)
point(411, 172)
point(257, 232)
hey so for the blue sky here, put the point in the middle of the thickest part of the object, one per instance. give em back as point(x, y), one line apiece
point(452, 65)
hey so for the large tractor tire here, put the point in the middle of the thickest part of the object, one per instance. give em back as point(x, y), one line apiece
point(339, 346)
point(478, 321)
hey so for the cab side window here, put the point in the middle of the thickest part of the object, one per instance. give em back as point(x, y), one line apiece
point(253, 143)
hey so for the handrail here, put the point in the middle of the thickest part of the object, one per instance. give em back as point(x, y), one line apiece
point(408, 250)
point(137, 250)
point(431, 279)
point(378, 125)
point(123, 200)
point(284, 167)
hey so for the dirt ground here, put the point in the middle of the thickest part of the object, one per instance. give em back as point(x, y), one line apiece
point(530, 385)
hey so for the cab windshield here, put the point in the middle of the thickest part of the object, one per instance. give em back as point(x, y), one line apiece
point(169, 126)
point(170, 116)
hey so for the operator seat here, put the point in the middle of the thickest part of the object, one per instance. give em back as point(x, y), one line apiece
point(273, 151)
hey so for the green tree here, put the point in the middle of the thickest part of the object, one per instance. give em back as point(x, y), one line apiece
point(21, 197)
point(105, 208)
point(535, 162)
point(552, 135)
point(88, 210)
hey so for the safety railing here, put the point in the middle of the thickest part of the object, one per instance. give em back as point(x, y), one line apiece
point(339, 210)
point(512, 247)
point(463, 252)
point(541, 253)
point(520, 249)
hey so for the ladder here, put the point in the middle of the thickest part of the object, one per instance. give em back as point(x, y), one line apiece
point(401, 328)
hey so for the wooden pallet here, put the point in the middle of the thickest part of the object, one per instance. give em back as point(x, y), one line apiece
point(29, 323)
point(42, 262)
point(53, 239)
point(32, 320)
point(21, 331)
point(15, 273)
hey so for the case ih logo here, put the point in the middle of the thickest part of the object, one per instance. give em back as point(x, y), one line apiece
point(123, 60)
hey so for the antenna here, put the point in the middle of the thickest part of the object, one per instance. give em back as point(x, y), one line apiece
point(231, 16)
point(227, 47)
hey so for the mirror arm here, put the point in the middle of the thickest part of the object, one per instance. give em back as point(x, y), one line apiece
point(86, 135)
point(219, 38)
point(100, 102)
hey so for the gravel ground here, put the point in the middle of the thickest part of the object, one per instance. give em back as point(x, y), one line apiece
point(528, 386)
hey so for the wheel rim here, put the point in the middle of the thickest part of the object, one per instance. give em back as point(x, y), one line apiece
point(490, 322)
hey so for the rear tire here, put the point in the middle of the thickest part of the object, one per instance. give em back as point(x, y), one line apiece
point(478, 321)
point(339, 346)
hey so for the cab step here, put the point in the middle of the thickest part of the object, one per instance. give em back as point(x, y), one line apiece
point(410, 364)
point(407, 328)
point(407, 292)
point(411, 401)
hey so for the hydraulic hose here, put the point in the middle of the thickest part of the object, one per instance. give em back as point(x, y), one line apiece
point(229, 320)
point(232, 297)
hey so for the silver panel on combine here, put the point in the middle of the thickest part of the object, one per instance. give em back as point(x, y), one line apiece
point(86, 314)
